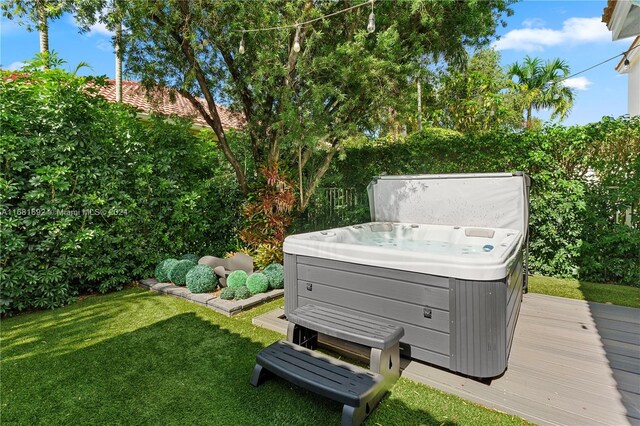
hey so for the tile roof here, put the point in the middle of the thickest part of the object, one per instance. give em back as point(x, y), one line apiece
point(608, 11)
point(161, 103)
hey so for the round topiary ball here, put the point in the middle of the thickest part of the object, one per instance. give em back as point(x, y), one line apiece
point(242, 292)
point(201, 279)
point(236, 279)
point(178, 273)
point(163, 268)
point(227, 293)
point(257, 283)
point(190, 256)
point(275, 275)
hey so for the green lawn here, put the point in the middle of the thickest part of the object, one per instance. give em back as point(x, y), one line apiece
point(622, 295)
point(135, 357)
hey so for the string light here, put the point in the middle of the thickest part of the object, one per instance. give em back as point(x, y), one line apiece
point(625, 66)
point(296, 40)
point(371, 27)
point(241, 48)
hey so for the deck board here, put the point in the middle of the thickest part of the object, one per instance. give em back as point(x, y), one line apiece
point(572, 362)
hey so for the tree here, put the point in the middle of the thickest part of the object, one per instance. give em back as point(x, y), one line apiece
point(475, 98)
point(297, 104)
point(35, 14)
point(539, 86)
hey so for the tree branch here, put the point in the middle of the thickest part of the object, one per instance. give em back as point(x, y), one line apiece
point(212, 118)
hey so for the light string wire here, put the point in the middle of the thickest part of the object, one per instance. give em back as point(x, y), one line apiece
point(310, 21)
point(625, 54)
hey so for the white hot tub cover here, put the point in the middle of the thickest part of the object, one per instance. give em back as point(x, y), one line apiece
point(490, 200)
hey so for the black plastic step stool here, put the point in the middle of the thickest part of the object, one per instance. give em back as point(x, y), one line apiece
point(358, 389)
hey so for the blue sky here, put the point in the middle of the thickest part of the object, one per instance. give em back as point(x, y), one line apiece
point(570, 30)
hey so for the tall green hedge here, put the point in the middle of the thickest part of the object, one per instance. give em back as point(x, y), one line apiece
point(583, 176)
point(91, 197)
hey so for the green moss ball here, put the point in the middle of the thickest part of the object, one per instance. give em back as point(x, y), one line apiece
point(178, 273)
point(201, 279)
point(275, 275)
point(163, 268)
point(257, 283)
point(242, 293)
point(227, 293)
point(236, 279)
point(190, 256)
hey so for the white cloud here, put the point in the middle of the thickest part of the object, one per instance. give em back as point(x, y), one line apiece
point(100, 28)
point(105, 45)
point(574, 31)
point(15, 66)
point(578, 83)
point(533, 23)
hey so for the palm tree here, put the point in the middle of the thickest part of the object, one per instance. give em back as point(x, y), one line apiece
point(539, 86)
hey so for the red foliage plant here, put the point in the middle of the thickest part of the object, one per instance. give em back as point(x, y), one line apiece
point(270, 212)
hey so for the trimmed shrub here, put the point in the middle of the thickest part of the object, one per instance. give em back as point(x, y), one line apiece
point(201, 279)
point(163, 268)
point(237, 279)
point(178, 274)
point(227, 293)
point(114, 187)
point(242, 293)
point(275, 275)
point(190, 256)
point(257, 283)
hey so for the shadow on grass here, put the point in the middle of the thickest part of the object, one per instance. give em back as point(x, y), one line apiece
point(58, 368)
point(622, 295)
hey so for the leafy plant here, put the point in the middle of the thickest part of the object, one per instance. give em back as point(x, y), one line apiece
point(163, 268)
point(275, 274)
point(268, 216)
point(237, 279)
point(227, 293)
point(201, 279)
point(257, 283)
point(92, 198)
point(190, 256)
point(242, 292)
point(178, 272)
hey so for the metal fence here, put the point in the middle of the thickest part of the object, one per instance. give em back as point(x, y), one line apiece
point(333, 207)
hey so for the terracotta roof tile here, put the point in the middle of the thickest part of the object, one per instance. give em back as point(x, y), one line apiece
point(161, 103)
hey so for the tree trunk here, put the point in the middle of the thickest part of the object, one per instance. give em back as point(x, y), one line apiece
point(118, 42)
point(43, 28)
point(315, 180)
point(419, 106)
point(529, 122)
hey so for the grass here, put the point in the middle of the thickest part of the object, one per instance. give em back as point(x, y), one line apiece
point(135, 357)
point(573, 289)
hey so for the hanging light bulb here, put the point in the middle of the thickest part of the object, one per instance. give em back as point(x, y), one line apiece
point(296, 40)
point(241, 48)
point(626, 64)
point(372, 20)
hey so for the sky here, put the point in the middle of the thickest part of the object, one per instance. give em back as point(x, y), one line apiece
point(570, 30)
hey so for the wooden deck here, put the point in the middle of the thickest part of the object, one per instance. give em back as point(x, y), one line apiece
point(572, 363)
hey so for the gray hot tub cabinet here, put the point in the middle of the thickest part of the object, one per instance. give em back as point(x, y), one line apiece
point(463, 325)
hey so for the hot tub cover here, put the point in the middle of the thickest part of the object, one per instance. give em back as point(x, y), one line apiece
point(492, 200)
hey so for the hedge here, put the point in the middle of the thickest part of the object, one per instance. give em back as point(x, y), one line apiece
point(92, 198)
point(583, 176)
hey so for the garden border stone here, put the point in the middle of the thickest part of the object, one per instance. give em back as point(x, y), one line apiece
point(226, 307)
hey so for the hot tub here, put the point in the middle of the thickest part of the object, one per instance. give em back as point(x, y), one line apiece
point(443, 258)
